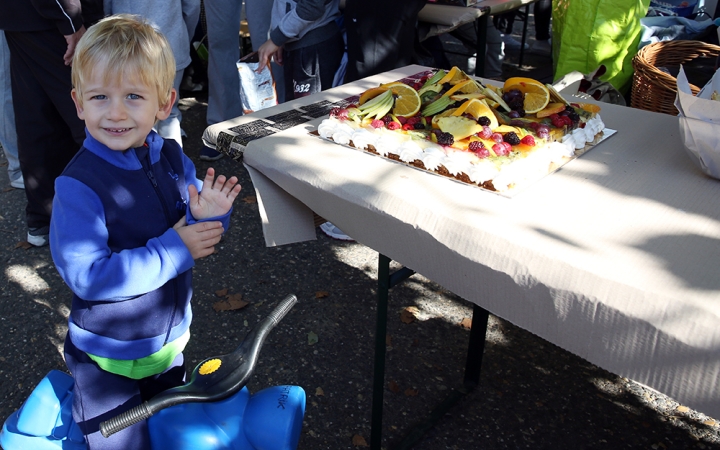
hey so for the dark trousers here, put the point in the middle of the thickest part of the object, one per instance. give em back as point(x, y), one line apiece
point(309, 70)
point(101, 395)
point(381, 35)
point(48, 128)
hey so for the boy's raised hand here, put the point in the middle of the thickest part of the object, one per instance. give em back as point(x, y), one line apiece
point(216, 197)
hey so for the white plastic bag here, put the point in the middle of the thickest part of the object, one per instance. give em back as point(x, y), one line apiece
point(257, 90)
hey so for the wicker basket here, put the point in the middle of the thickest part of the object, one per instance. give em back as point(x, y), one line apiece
point(655, 90)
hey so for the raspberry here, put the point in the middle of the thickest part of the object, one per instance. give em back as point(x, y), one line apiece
point(483, 120)
point(497, 137)
point(482, 153)
point(511, 138)
point(412, 120)
point(486, 132)
point(377, 123)
point(392, 125)
point(474, 146)
point(339, 113)
point(500, 149)
point(402, 120)
point(528, 140)
point(445, 138)
point(387, 119)
point(553, 117)
point(406, 127)
point(534, 125)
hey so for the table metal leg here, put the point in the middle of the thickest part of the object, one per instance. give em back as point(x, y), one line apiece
point(473, 363)
point(481, 25)
point(524, 35)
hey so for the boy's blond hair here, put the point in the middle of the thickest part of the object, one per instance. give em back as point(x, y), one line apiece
point(125, 45)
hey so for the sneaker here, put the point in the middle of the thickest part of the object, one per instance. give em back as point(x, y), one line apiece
point(39, 237)
point(18, 183)
point(511, 43)
point(542, 47)
point(209, 154)
point(334, 232)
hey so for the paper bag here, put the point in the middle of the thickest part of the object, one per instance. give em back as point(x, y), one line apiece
point(257, 90)
point(700, 122)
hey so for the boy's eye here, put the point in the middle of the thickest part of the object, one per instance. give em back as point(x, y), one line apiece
point(134, 97)
point(98, 97)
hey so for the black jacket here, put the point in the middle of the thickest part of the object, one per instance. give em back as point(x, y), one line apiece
point(67, 16)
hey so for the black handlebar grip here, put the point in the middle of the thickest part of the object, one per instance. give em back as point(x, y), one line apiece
point(282, 309)
point(126, 419)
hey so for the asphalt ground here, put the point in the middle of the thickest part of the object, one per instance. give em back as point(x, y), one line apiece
point(532, 394)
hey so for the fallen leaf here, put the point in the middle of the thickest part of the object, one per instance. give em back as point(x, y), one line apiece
point(250, 199)
point(8, 189)
point(221, 292)
point(411, 392)
point(710, 423)
point(312, 338)
point(24, 245)
point(319, 391)
point(682, 409)
point(321, 294)
point(359, 441)
point(409, 314)
point(233, 302)
point(393, 386)
point(466, 323)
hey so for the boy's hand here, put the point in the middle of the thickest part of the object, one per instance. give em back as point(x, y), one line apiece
point(200, 238)
point(216, 198)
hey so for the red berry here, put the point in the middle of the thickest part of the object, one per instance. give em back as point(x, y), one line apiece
point(403, 120)
point(475, 146)
point(500, 149)
point(528, 140)
point(497, 137)
point(412, 120)
point(377, 123)
point(392, 125)
point(407, 126)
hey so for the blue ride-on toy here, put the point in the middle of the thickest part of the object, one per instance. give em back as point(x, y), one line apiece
point(214, 411)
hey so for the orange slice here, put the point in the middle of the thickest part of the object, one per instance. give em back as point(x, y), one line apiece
point(370, 94)
point(536, 95)
point(519, 80)
point(407, 100)
point(477, 108)
point(590, 107)
point(468, 86)
point(454, 76)
point(550, 109)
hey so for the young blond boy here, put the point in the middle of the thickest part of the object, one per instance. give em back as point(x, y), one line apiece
point(129, 219)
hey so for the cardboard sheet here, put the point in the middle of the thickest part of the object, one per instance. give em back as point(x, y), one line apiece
point(614, 257)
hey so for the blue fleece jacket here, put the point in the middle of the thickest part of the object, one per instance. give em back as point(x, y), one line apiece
point(112, 242)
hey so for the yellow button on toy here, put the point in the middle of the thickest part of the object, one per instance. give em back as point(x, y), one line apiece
point(210, 366)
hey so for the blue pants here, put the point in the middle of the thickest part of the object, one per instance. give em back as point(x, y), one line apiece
point(309, 70)
point(101, 395)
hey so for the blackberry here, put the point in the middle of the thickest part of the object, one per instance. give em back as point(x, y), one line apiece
point(445, 138)
point(419, 126)
point(387, 119)
point(484, 121)
point(511, 138)
point(575, 117)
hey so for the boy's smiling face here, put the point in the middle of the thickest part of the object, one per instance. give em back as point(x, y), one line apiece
point(120, 113)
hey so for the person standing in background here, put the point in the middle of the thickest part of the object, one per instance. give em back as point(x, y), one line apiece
point(305, 38)
point(176, 19)
point(381, 35)
point(223, 28)
point(41, 36)
point(8, 135)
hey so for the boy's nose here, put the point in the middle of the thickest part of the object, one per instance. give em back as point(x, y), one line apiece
point(117, 110)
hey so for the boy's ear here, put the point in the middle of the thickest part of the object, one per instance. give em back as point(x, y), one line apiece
point(165, 109)
point(78, 107)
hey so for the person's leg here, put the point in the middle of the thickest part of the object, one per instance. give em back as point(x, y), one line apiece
point(170, 128)
point(311, 69)
point(542, 12)
point(8, 135)
point(223, 27)
point(49, 130)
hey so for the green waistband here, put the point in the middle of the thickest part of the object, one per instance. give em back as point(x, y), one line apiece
point(147, 366)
